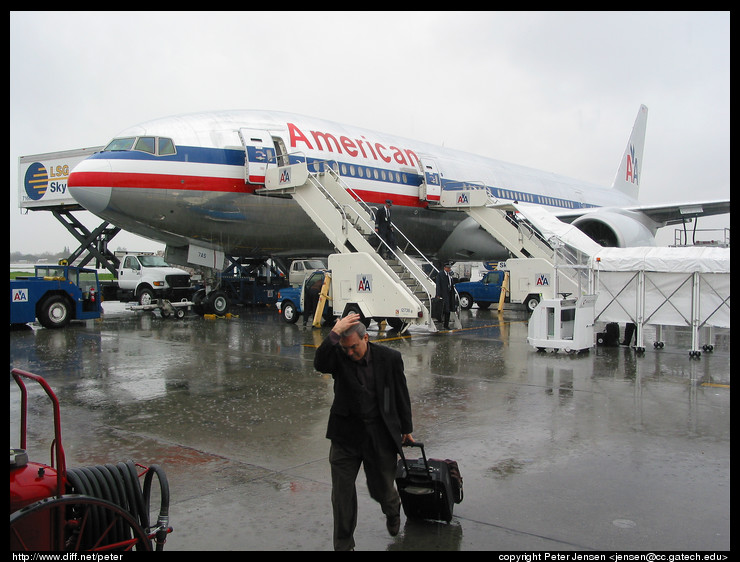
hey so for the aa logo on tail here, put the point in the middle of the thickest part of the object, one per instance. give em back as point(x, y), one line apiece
point(633, 167)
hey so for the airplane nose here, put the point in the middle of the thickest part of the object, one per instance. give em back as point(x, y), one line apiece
point(90, 184)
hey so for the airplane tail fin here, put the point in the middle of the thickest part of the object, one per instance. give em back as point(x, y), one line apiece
point(629, 173)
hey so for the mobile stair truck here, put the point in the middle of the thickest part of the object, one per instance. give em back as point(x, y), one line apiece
point(393, 289)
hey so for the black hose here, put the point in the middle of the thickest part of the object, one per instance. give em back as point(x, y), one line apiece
point(119, 484)
point(164, 504)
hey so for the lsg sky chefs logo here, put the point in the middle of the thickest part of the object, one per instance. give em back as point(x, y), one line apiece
point(38, 180)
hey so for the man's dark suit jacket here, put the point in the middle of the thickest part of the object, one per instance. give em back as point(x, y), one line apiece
point(444, 287)
point(391, 392)
point(383, 222)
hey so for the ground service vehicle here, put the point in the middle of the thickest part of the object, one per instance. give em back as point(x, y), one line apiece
point(100, 508)
point(530, 281)
point(300, 268)
point(357, 283)
point(292, 301)
point(146, 276)
point(483, 292)
point(55, 295)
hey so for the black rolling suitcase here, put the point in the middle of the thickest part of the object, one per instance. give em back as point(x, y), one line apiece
point(610, 337)
point(429, 489)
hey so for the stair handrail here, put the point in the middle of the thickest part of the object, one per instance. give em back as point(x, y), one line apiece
point(400, 261)
point(407, 241)
point(525, 228)
point(329, 166)
point(371, 212)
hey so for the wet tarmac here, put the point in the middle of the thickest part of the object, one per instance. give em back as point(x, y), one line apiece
point(603, 451)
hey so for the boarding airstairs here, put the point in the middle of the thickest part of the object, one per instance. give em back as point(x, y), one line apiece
point(527, 231)
point(349, 224)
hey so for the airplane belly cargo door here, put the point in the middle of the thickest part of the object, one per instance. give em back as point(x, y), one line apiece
point(258, 152)
point(431, 183)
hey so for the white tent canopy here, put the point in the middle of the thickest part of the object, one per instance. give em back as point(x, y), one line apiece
point(670, 260)
point(663, 287)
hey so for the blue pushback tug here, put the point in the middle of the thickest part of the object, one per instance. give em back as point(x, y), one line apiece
point(55, 295)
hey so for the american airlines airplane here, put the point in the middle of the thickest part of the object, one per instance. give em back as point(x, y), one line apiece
point(196, 181)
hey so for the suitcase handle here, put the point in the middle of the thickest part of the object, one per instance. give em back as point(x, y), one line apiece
point(418, 444)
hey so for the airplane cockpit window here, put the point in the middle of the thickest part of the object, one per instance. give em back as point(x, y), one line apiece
point(159, 146)
point(145, 144)
point(120, 144)
point(166, 146)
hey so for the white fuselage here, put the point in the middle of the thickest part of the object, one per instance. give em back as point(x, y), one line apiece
point(200, 189)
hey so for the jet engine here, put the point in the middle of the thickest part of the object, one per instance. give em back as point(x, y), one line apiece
point(618, 228)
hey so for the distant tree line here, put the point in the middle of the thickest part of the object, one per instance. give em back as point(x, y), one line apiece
point(51, 257)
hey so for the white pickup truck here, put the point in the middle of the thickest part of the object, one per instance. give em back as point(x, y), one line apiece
point(300, 267)
point(145, 276)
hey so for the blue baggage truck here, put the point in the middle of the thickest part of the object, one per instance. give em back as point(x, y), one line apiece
point(55, 295)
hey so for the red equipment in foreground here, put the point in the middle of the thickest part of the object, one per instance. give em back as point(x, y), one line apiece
point(98, 508)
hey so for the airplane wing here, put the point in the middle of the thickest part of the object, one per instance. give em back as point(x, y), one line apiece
point(671, 214)
point(664, 213)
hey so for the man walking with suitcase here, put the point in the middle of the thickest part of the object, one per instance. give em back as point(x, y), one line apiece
point(368, 422)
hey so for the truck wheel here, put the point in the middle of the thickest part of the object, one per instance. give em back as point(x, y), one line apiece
point(289, 312)
point(145, 296)
point(531, 302)
point(199, 298)
point(218, 303)
point(466, 301)
point(55, 312)
point(397, 324)
point(353, 308)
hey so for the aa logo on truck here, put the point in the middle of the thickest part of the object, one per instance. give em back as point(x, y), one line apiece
point(364, 283)
point(19, 295)
point(543, 280)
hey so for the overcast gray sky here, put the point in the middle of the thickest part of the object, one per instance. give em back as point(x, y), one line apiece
point(555, 91)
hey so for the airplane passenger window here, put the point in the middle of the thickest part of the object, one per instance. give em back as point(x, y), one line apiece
point(166, 146)
point(120, 144)
point(145, 144)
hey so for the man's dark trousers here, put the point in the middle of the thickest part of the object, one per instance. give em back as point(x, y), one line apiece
point(378, 454)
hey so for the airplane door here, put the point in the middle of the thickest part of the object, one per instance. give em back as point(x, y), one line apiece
point(259, 151)
point(431, 184)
